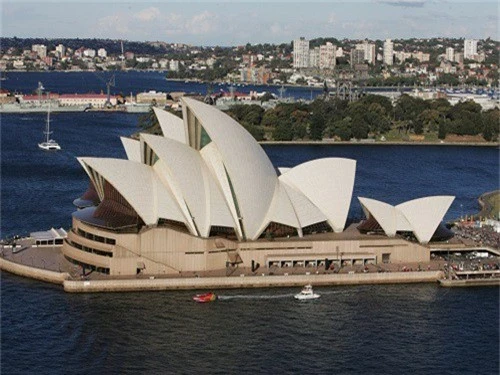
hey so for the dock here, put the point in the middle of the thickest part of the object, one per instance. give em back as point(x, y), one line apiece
point(471, 278)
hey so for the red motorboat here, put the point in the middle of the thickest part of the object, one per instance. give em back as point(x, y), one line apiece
point(206, 297)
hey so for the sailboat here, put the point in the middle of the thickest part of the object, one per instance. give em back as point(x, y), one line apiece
point(48, 144)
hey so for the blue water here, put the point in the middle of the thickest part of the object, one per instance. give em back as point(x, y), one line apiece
point(127, 82)
point(421, 329)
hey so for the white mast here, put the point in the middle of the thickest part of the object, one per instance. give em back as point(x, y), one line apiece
point(47, 128)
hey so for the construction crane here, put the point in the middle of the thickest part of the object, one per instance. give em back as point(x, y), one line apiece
point(110, 83)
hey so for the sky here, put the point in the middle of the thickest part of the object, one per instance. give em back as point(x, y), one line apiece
point(231, 23)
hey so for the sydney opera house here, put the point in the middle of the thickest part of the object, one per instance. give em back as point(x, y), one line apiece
point(204, 196)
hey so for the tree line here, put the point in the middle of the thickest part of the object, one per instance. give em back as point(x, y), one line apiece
point(370, 117)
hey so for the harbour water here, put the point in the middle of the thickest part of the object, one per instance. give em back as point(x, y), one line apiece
point(362, 329)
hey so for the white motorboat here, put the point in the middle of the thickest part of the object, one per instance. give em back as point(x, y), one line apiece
point(48, 144)
point(307, 293)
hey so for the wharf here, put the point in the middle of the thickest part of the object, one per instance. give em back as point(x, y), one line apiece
point(17, 108)
point(472, 278)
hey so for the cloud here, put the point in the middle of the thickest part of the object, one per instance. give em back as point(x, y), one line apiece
point(115, 23)
point(404, 3)
point(332, 18)
point(202, 23)
point(148, 14)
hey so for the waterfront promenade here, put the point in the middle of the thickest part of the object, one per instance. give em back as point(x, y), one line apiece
point(49, 265)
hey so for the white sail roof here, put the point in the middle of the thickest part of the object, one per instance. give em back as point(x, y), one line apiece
point(306, 211)
point(425, 214)
point(390, 219)
point(215, 164)
point(171, 126)
point(282, 210)
point(132, 148)
point(251, 174)
point(327, 183)
point(139, 185)
point(193, 181)
point(420, 216)
point(209, 171)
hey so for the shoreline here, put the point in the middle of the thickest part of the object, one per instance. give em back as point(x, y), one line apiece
point(379, 143)
point(253, 281)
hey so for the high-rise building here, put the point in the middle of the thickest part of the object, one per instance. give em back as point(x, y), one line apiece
point(470, 48)
point(301, 53)
point(40, 49)
point(368, 51)
point(314, 57)
point(357, 56)
point(327, 56)
point(174, 65)
point(60, 51)
point(388, 52)
point(450, 54)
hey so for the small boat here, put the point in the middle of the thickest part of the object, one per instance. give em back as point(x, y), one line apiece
point(48, 144)
point(206, 297)
point(306, 293)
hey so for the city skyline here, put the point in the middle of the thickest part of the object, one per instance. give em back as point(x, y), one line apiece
point(228, 24)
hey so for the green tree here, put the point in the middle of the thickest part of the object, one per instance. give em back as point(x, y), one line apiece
point(429, 118)
point(256, 131)
point(299, 131)
point(407, 108)
point(283, 131)
point(491, 121)
point(270, 118)
point(317, 126)
point(380, 104)
point(342, 129)
point(359, 128)
point(442, 129)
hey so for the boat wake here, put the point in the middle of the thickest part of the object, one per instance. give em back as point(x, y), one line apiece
point(269, 296)
point(254, 296)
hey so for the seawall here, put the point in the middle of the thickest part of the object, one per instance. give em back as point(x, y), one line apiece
point(33, 272)
point(470, 282)
point(250, 282)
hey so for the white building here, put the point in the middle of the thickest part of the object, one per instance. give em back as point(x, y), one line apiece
point(368, 51)
point(102, 53)
point(89, 52)
point(402, 55)
point(301, 53)
point(450, 54)
point(421, 56)
point(40, 49)
point(203, 195)
point(314, 57)
point(470, 48)
point(174, 65)
point(60, 51)
point(327, 56)
point(388, 52)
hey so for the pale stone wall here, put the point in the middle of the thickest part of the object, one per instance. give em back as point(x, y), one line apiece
point(250, 282)
point(33, 273)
